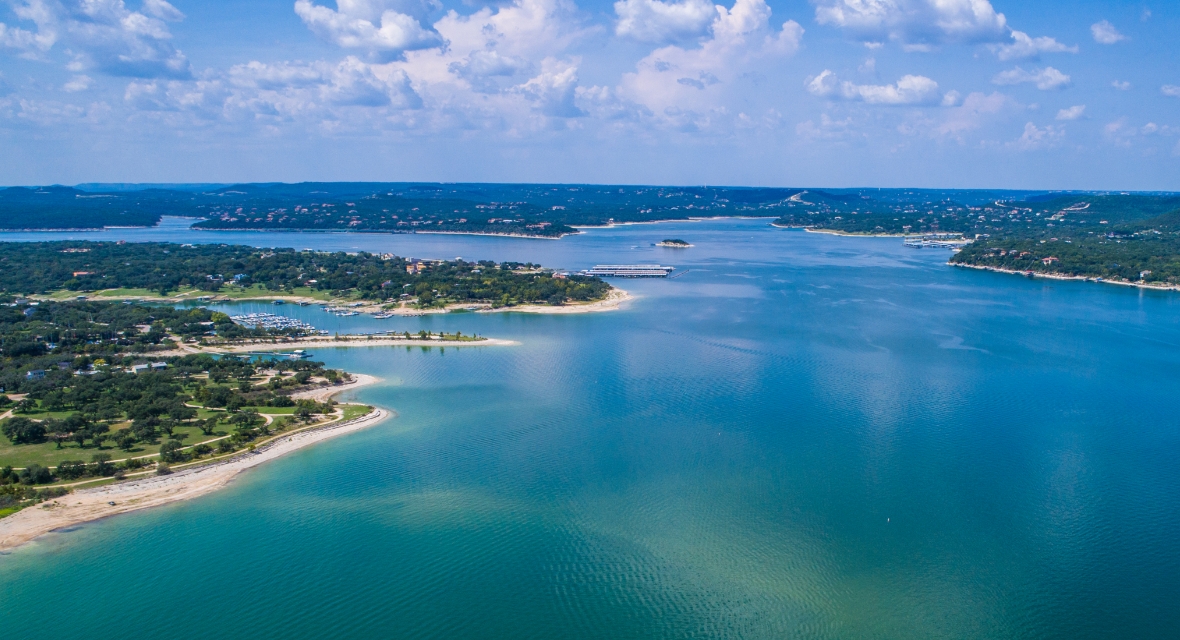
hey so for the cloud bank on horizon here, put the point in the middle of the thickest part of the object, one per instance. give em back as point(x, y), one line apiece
point(952, 93)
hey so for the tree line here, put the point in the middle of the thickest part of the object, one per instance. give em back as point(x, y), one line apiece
point(44, 267)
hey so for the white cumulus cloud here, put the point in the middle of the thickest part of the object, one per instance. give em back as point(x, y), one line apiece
point(1046, 79)
point(1035, 138)
point(656, 21)
point(102, 35)
point(1121, 85)
point(1025, 47)
point(1072, 113)
point(919, 23)
point(78, 83)
point(1170, 90)
point(692, 88)
point(1105, 33)
point(553, 91)
point(382, 28)
point(909, 89)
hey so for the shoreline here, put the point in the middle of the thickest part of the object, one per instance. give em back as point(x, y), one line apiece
point(842, 234)
point(610, 303)
point(490, 235)
point(612, 225)
point(1066, 277)
point(88, 505)
point(345, 341)
point(613, 301)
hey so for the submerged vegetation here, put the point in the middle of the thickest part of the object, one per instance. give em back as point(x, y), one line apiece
point(163, 269)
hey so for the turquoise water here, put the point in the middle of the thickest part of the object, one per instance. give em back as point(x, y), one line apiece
point(803, 436)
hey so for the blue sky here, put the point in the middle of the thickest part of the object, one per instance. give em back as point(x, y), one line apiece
point(820, 93)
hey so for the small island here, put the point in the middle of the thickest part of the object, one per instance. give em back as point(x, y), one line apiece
point(674, 243)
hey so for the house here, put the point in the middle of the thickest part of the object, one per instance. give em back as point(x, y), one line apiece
point(140, 368)
point(158, 366)
point(35, 374)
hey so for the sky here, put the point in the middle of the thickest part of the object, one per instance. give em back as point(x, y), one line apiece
point(1039, 94)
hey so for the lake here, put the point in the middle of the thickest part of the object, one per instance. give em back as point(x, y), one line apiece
point(802, 435)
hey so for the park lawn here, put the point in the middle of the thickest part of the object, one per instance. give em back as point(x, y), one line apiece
point(355, 410)
point(48, 455)
point(126, 293)
point(276, 411)
point(41, 415)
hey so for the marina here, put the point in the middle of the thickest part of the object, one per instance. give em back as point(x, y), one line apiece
point(272, 321)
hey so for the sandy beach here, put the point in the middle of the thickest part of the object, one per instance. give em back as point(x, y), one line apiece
point(613, 301)
point(92, 504)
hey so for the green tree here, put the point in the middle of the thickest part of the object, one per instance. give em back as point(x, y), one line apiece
point(170, 451)
point(23, 431)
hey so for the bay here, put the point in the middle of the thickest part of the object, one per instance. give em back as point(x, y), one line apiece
point(801, 436)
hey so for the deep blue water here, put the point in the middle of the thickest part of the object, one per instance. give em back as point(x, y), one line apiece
point(803, 436)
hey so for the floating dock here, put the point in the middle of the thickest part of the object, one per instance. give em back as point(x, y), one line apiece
point(630, 271)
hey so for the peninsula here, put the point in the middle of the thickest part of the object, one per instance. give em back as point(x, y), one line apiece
point(155, 398)
point(1121, 238)
point(377, 283)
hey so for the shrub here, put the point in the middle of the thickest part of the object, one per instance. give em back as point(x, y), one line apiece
point(71, 469)
point(35, 474)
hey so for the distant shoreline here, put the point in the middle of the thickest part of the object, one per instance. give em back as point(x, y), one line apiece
point(611, 225)
point(1065, 276)
point(835, 232)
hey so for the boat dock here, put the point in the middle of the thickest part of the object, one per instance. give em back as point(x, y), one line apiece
point(271, 321)
point(630, 271)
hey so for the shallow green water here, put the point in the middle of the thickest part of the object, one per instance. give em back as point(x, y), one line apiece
point(804, 436)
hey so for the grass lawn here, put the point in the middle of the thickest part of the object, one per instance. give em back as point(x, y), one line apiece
point(41, 415)
point(355, 410)
point(276, 411)
point(48, 455)
point(123, 293)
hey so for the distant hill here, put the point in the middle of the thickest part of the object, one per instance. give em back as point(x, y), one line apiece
point(553, 210)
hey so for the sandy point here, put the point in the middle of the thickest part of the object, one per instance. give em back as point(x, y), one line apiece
point(613, 301)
